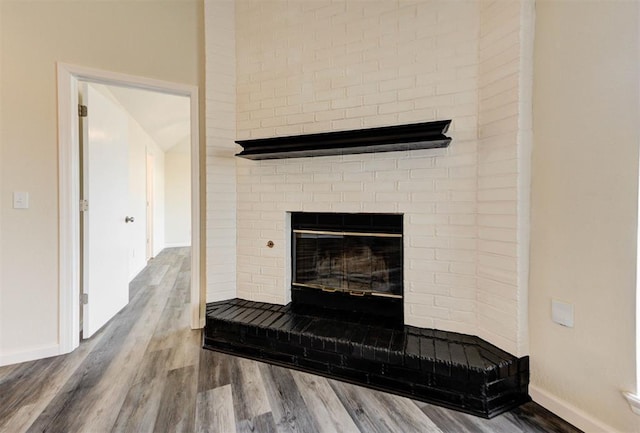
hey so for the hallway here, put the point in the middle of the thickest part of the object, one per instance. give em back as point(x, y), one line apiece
point(145, 371)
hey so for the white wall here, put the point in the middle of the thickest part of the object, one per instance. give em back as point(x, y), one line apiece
point(178, 196)
point(1, 163)
point(141, 144)
point(160, 40)
point(137, 196)
point(159, 204)
point(584, 207)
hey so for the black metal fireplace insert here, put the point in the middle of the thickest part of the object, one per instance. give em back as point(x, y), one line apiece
point(348, 263)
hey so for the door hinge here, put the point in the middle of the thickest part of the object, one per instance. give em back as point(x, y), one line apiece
point(82, 110)
point(84, 205)
point(85, 298)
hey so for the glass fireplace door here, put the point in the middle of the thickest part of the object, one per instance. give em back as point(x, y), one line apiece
point(353, 262)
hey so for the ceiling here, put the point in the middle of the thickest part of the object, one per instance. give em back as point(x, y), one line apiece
point(165, 117)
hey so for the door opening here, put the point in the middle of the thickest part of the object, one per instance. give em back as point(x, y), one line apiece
point(71, 262)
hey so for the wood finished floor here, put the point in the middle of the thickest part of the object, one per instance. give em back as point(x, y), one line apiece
point(145, 371)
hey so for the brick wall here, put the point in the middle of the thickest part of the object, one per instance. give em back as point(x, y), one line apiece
point(220, 164)
point(504, 109)
point(324, 66)
point(319, 66)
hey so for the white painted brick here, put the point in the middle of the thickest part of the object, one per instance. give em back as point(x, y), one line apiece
point(450, 231)
point(417, 207)
point(496, 262)
point(347, 187)
point(498, 275)
point(465, 256)
point(463, 269)
point(455, 304)
point(430, 312)
point(427, 240)
point(499, 221)
point(419, 298)
point(329, 115)
point(358, 197)
point(380, 120)
point(346, 124)
point(336, 67)
point(498, 181)
point(380, 165)
point(350, 207)
point(423, 219)
point(391, 197)
point(421, 186)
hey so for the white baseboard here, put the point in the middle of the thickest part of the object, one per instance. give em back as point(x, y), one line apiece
point(568, 412)
point(30, 355)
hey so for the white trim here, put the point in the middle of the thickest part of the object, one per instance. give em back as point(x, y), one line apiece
point(197, 299)
point(30, 355)
point(68, 166)
point(568, 412)
point(69, 212)
point(633, 400)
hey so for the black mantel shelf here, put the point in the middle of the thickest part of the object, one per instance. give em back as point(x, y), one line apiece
point(427, 135)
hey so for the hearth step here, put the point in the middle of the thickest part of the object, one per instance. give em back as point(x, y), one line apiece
point(457, 371)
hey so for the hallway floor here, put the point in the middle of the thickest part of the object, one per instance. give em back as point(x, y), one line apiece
point(145, 371)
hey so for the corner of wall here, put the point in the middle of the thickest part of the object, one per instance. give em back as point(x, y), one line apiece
point(504, 172)
point(221, 202)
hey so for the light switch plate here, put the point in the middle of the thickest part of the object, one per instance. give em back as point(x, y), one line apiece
point(562, 313)
point(20, 200)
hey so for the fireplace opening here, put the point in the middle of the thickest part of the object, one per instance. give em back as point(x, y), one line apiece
point(348, 263)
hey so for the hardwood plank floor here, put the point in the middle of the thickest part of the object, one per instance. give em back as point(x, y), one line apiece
point(145, 371)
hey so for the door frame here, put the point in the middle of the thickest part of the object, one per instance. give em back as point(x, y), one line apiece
point(69, 190)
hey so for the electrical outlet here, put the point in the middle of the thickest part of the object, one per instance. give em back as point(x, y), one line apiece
point(20, 200)
point(562, 313)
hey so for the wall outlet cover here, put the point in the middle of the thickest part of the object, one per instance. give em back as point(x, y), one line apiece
point(20, 200)
point(562, 313)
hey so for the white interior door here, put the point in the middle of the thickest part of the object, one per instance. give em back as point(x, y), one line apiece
point(105, 239)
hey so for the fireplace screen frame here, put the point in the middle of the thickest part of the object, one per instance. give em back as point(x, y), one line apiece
point(360, 229)
point(377, 279)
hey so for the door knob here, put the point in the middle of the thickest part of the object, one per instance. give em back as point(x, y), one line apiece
point(129, 219)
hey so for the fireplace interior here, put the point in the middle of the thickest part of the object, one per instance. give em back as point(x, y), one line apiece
point(348, 264)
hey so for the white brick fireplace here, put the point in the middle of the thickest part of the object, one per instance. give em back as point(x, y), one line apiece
point(320, 66)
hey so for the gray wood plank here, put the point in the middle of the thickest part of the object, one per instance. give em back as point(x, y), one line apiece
point(451, 421)
point(72, 406)
point(214, 411)
point(324, 404)
point(287, 405)
point(402, 412)
point(260, 424)
point(373, 411)
point(532, 417)
point(177, 408)
point(249, 395)
point(214, 370)
point(140, 409)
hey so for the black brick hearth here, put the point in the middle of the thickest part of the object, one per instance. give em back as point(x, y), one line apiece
point(453, 370)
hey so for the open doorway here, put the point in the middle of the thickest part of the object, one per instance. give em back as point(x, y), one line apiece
point(69, 77)
point(122, 130)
